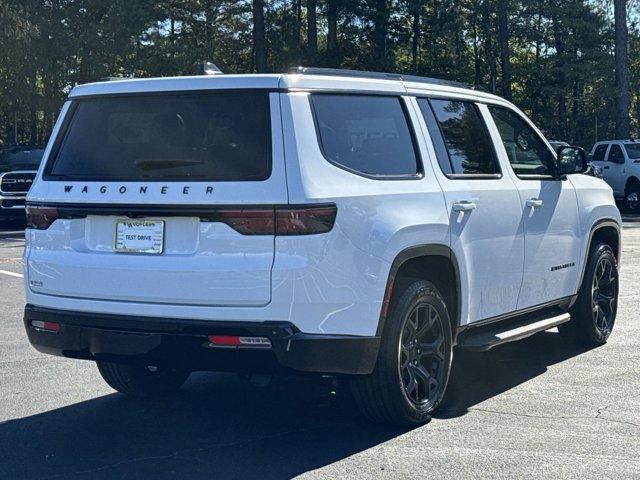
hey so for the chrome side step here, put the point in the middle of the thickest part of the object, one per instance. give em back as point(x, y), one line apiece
point(486, 337)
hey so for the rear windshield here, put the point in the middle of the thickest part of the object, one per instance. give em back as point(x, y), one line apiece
point(198, 137)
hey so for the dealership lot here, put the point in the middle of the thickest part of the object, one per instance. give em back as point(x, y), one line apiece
point(537, 407)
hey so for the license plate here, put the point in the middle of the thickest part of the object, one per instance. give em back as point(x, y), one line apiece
point(139, 236)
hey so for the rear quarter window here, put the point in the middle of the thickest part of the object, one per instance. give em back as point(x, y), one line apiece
point(215, 136)
point(366, 134)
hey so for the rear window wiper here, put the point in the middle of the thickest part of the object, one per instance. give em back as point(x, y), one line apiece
point(148, 165)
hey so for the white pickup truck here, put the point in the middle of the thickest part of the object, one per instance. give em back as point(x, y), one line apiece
point(620, 164)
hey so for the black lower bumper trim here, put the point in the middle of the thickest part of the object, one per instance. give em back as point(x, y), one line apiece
point(164, 341)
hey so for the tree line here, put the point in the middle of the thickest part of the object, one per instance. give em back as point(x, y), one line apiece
point(572, 65)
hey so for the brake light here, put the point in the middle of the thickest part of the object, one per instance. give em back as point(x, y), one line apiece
point(40, 217)
point(251, 221)
point(305, 220)
point(282, 221)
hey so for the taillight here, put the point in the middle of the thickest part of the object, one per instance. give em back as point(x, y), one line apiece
point(250, 221)
point(40, 217)
point(305, 220)
point(254, 220)
point(289, 220)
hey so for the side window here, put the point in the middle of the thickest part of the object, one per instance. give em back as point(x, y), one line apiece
point(366, 134)
point(615, 154)
point(436, 136)
point(527, 152)
point(464, 136)
point(598, 154)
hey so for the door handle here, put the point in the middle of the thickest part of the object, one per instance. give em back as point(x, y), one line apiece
point(464, 206)
point(534, 203)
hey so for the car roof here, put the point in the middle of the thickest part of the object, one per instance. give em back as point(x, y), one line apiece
point(311, 79)
point(629, 141)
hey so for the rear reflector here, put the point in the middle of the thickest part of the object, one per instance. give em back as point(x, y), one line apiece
point(234, 341)
point(40, 217)
point(46, 326)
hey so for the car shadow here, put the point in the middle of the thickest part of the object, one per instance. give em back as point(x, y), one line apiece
point(219, 426)
point(478, 376)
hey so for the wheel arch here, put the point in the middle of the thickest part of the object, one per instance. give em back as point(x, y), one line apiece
point(434, 262)
point(607, 230)
point(632, 180)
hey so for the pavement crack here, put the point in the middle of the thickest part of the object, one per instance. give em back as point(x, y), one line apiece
point(597, 416)
point(187, 452)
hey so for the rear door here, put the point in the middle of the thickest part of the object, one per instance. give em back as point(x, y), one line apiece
point(484, 207)
point(162, 198)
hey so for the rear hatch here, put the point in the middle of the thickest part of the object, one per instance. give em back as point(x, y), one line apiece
point(160, 197)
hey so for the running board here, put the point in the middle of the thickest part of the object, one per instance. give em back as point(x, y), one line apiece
point(486, 337)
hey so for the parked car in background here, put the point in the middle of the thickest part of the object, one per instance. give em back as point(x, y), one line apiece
point(593, 170)
point(18, 167)
point(620, 163)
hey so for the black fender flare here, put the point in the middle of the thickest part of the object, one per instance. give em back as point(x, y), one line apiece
point(598, 225)
point(427, 250)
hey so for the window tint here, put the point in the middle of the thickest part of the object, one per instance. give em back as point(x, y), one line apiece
point(368, 134)
point(465, 137)
point(598, 154)
point(615, 154)
point(442, 154)
point(633, 151)
point(212, 136)
point(527, 152)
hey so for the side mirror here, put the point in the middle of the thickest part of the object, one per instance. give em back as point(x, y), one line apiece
point(571, 160)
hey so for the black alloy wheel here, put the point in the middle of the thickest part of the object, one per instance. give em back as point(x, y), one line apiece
point(422, 355)
point(604, 295)
point(594, 313)
point(410, 377)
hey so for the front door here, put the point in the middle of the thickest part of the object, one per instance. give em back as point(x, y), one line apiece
point(614, 170)
point(550, 212)
point(484, 206)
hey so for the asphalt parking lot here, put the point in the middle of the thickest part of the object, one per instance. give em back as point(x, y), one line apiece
point(536, 408)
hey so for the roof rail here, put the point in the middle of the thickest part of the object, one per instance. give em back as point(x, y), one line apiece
point(341, 72)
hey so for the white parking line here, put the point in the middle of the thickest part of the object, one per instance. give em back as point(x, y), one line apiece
point(11, 274)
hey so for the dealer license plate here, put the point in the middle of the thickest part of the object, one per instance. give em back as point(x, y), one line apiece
point(139, 236)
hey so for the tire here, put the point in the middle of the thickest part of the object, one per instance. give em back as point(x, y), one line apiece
point(140, 381)
point(632, 197)
point(401, 391)
point(594, 313)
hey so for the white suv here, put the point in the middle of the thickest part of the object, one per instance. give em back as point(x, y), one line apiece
point(322, 221)
point(620, 164)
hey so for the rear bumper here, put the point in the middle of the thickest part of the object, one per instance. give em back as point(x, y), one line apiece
point(163, 341)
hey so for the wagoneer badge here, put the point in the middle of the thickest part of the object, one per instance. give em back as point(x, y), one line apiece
point(142, 190)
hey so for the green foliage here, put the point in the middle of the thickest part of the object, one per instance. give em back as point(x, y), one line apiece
point(560, 51)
